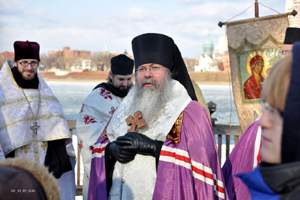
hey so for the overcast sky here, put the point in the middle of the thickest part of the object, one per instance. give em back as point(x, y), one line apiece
point(98, 24)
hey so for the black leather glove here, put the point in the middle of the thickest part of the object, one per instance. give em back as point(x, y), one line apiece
point(137, 142)
point(122, 155)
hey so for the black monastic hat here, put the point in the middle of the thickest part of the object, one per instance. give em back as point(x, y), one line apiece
point(161, 49)
point(292, 35)
point(26, 50)
point(290, 148)
point(121, 65)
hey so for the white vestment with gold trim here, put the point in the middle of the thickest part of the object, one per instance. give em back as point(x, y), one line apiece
point(16, 120)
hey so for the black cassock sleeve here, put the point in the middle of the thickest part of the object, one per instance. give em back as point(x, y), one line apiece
point(109, 169)
point(57, 159)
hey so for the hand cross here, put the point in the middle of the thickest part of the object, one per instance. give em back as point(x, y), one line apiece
point(136, 122)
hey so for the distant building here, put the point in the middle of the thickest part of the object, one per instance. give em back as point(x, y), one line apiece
point(223, 44)
point(208, 47)
point(290, 5)
point(190, 63)
point(7, 56)
point(68, 59)
point(82, 65)
point(209, 60)
point(67, 53)
point(207, 64)
point(225, 62)
point(224, 55)
point(56, 54)
point(4, 56)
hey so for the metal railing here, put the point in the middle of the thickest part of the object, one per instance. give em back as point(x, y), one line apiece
point(227, 131)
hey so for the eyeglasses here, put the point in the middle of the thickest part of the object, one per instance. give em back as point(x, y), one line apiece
point(153, 69)
point(33, 64)
point(272, 109)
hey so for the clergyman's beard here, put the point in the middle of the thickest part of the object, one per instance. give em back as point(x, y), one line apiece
point(150, 101)
point(26, 78)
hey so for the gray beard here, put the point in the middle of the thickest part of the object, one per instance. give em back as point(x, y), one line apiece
point(150, 101)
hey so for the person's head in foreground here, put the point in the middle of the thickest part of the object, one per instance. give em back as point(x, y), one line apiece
point(22, 179)
point(120, 75)
point(27, 58)
point(279, 100)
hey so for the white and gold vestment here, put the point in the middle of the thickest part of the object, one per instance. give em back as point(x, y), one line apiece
point(16, 119)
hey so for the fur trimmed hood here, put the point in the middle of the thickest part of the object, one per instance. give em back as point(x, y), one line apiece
point(21, 178)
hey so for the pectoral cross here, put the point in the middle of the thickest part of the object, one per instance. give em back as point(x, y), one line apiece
point(35, 127)
point(136, 122)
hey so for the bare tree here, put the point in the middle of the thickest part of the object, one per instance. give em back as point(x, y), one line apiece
point(60, 63)
point(46, 61)
point(102, 60)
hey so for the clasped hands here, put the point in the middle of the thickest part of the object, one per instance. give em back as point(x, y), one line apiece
point(126, 147)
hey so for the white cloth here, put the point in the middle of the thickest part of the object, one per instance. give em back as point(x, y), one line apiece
point(16, 119)
point(66, 183)
point(128, 178)
point(1, 153)
point(96, 111)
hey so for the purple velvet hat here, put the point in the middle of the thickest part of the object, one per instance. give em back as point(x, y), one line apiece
point(26, 50)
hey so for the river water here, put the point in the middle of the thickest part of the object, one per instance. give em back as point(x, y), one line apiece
point(72, 94)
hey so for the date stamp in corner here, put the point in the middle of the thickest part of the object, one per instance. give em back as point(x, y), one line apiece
point(22, 190)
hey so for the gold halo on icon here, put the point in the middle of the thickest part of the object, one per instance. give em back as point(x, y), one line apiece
point(266, 62)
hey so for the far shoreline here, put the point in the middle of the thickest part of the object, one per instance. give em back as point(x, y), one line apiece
point(201, 78)
point(103, 80)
